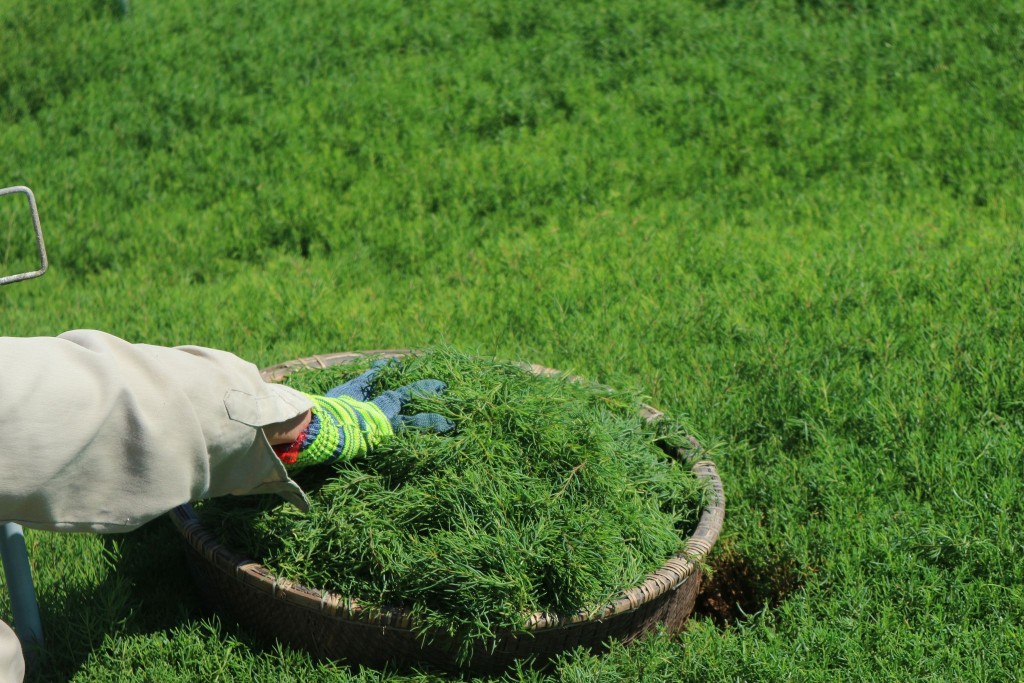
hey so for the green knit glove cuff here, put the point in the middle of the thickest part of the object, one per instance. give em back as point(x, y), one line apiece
point(342, 428)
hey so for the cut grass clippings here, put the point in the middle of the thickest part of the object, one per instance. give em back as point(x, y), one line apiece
point(550, 495)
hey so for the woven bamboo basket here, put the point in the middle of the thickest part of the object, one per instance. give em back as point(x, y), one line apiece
point(337, 627)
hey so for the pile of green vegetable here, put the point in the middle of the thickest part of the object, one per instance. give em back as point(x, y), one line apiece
point(550, 495)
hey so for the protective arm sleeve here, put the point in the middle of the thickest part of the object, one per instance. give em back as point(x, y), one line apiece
point(97, 434)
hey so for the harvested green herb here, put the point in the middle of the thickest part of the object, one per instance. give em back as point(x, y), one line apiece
point(550, 495)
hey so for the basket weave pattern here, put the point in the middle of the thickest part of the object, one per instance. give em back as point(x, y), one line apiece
point(332, 626)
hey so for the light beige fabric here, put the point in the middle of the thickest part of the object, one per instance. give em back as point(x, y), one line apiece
point(12, 664)
point(102, 435)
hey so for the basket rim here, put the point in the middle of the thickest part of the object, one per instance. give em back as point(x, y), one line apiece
point(671, 575)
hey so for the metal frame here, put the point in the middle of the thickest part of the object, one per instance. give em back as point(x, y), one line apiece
point(43, 262)
point(13, 553)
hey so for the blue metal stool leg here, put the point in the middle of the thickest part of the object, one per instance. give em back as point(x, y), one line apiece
point(19, 583)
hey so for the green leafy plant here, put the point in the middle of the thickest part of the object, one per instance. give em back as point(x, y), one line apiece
point(796, 223)
point(550, 495)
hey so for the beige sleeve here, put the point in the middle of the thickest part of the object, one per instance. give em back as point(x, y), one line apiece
point(12, 664)
point(101, 435)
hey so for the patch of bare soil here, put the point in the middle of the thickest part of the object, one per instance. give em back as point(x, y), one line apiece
point(738, 588)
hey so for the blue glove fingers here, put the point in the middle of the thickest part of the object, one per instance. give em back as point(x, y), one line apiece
point(391, 402)
point(431, 421)
point(424, 387)
point(359, 387)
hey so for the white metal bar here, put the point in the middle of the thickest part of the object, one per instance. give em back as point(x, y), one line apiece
point(41, 248)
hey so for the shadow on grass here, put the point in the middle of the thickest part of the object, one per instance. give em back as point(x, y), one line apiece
point(145, 587)
point(739, 587)
point(144, 614)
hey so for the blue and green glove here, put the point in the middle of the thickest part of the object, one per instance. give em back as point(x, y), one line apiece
point(346, 423)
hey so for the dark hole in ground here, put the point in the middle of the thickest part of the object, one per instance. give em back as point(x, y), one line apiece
point(739, 588)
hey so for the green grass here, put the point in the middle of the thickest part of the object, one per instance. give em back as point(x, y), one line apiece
point(797, 224)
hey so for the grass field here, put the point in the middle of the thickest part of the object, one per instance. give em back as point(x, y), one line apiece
point(797, 225)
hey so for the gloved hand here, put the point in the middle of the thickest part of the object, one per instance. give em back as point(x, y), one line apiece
point(346, 423)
